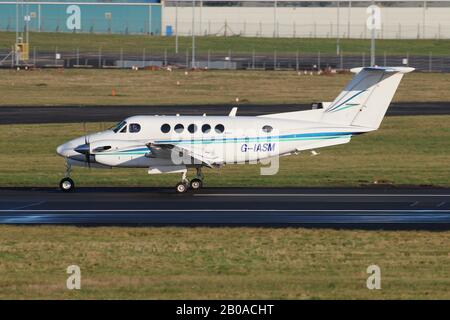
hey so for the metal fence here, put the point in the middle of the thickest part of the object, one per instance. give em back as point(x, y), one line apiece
point(316, 30)
point(222, 60)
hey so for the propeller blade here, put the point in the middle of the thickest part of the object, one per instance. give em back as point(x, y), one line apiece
point(88, 160)
point(88, 153)
point(88, 147)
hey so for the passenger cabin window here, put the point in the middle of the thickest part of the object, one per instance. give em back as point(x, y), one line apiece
point(179, 128)
point(118, 126)
point(192, 128)
point(267, 129)
point(165, 128)
point(206, 128)
point(220, 128)
point(135, 127)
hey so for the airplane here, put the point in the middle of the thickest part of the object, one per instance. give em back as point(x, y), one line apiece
point(174, 144)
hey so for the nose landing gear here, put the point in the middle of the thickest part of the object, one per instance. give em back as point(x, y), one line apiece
point(66, 184)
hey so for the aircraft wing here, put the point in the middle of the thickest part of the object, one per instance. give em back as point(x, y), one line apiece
point(186, 153)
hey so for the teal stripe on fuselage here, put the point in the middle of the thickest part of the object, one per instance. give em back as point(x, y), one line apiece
point(297, 136)
point(281, 138)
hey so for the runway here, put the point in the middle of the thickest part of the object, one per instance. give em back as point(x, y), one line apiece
point(71, 114)
point(411, 208)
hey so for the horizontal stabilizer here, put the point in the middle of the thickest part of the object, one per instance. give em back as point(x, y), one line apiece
point(384, 69)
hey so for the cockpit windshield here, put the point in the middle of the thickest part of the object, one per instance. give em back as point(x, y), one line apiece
point(118, 126)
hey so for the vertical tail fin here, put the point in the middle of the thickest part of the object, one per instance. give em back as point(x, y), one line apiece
point(366, 98)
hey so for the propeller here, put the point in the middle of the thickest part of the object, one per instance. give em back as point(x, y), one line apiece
point(87, 143)
point(85, 148)
point(88, 153)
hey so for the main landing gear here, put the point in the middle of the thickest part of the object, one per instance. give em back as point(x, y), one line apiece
point(194, 184)
point(66, 184)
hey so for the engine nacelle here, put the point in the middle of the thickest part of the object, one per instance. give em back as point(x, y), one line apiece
point(101, 146)
point(119, 153)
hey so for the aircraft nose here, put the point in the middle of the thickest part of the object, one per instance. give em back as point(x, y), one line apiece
point(62, 150)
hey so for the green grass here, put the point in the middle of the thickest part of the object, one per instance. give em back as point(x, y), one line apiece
point(67, 42)
point(94, 87)
point(413, 150)
point(222, 263)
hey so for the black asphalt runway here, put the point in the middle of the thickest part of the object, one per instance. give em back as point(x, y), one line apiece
point(71, 114)
point(267, 207)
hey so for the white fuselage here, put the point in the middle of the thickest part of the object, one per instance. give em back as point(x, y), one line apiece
point(243, 139)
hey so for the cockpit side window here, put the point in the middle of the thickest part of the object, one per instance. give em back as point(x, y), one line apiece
point(134, 127)
point(119, 126)
point(123, 130)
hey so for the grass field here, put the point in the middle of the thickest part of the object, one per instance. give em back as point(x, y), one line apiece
point(411, 150)
point(222, 263)
point(93, 87)
point(67, 42)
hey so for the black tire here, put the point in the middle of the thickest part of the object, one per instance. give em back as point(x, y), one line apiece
point(66, 185)
point(196, 184)
point(181, 187)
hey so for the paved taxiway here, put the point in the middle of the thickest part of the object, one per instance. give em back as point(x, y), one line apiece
point(341, 208)
point(66, 114)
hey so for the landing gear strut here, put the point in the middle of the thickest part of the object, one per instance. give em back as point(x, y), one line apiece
point(194, 184)
point(66, 184)
point(183, 185)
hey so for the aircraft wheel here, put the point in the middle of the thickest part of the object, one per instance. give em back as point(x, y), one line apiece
point(66, 185)
point(196, 184)
point(181, 187)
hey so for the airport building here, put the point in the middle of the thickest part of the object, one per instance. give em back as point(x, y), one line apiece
point(95, 16)
point(409, 19)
